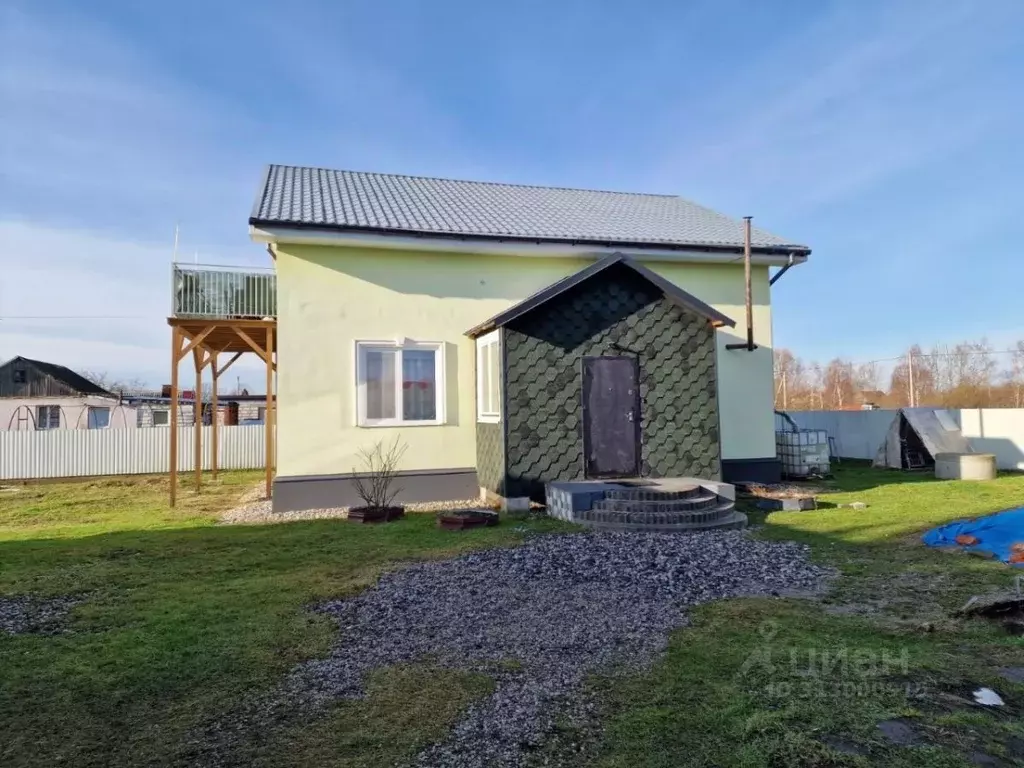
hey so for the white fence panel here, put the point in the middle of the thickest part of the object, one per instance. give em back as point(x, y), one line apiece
point(995, 430)
point(858, 434)
point(242, 447)
point(30, 455)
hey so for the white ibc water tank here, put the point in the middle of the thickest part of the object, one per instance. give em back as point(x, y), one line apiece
point(803, 453)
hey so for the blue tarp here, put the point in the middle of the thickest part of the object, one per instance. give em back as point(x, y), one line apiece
point(996, 533)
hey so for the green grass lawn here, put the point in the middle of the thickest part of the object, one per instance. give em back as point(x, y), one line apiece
point(760, 683)
point(182, 619)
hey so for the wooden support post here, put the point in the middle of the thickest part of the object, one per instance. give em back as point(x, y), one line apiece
point(197, 418)
point(175, 359)
point(268, 418)
point(213, 415)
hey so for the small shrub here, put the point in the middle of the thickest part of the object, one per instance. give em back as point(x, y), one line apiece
point(375, 485)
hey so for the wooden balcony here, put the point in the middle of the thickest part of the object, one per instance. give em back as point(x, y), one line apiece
point(204, 291)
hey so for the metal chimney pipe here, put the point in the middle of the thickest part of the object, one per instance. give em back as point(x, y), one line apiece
point(750, 346)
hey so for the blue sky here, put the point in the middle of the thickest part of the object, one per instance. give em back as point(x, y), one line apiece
point(886, 135)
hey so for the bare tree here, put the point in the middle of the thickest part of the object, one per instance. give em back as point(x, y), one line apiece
point(375, 485)
point(791, 390)
point(865, 377)
point(112, 384)
point(839, 389)
point(923, 379)
point(1015, 376)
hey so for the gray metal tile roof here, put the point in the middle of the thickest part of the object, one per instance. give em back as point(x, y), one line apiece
point(353, 200)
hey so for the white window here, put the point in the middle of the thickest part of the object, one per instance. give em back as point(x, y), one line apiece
point(488, 378)
point(99, 418)
point(161, 418)
point(47, 417)
point(399, 383)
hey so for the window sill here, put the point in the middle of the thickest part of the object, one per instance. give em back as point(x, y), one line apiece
point(489, 419)
point(379, 424)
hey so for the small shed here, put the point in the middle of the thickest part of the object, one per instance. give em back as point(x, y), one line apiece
point(608, 373)
point(917, 435)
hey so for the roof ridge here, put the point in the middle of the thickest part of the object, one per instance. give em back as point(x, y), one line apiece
point(485, 183)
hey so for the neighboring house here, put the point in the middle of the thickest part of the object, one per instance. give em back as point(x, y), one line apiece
point(36, 395)
point(153, 409)
point(511, 335)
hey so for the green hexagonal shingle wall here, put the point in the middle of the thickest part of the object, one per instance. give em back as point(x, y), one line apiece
point(616, 313)
point(490, 458)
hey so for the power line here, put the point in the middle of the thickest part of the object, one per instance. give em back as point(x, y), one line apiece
point(79, 317)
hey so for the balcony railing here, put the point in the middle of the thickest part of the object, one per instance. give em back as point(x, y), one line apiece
point(203, 290)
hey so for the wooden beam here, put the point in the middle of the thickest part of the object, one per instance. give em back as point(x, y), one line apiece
point(268, 418)
point(213, 415)
point(175, 349)
point(256, 347)
point(229, 363)
point(197, 420)
point(196, 341)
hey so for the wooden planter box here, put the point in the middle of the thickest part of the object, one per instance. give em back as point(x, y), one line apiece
point(375, 514)
point(461, 519)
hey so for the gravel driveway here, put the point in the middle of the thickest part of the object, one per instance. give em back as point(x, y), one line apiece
point(560, 607)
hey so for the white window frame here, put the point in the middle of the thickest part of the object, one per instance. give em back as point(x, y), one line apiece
point(166, 412)
point(437, 347)
point(88, 412)
point(492, 339)
point(49, 420)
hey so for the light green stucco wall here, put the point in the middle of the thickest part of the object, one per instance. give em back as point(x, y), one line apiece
point(331, 297)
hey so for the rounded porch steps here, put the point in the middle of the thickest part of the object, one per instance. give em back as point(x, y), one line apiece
point(667, 505)
point(727, 521)
point(703, 500)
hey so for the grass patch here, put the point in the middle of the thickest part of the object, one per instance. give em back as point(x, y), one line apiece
point(764, 683)
point(185, 618)
point(407, 708)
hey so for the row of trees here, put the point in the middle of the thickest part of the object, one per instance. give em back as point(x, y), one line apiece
point(967, 375)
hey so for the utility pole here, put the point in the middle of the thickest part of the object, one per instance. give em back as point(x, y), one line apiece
point(910, 377)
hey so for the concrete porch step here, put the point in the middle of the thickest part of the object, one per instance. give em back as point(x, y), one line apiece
point(731, 520)
point(705, 500)
point(701, 518)
point(655, 494)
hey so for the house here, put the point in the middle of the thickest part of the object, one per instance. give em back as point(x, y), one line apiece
point(512, 335)
point(42, 396)
point(153, 408)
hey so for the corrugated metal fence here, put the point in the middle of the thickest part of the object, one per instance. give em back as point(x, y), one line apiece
point(858, 434)
point(28, 455)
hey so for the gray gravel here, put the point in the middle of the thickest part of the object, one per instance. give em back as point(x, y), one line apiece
point(561, 606)
point(259, 511)
point(23, 615)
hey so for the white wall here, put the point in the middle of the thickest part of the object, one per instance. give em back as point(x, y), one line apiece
point(33, 455)
point(995, 430)
point(331, 298)
point(19, 413)
point(858, 434)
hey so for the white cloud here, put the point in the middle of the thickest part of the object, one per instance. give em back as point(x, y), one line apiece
point(845, 103)
point(90, 301)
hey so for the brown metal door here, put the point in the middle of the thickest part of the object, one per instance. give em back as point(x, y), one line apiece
point(611, 417)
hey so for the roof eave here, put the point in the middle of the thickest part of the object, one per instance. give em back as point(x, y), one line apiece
point(270, 231)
